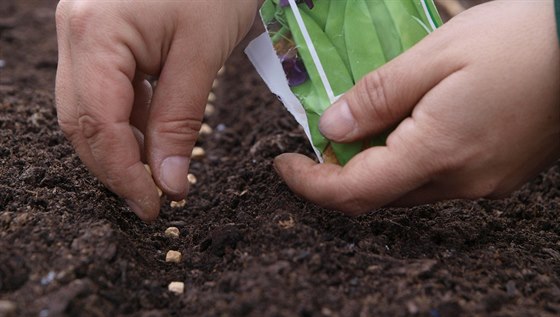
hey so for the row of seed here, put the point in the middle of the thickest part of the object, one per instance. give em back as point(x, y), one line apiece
point(198, 153)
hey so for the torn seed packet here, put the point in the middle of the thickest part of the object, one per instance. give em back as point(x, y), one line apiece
point(316, 50)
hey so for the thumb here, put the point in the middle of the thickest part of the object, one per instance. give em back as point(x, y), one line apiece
point(175, 118)
point(387, 95)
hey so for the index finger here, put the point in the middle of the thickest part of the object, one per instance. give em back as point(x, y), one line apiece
point(104, 97)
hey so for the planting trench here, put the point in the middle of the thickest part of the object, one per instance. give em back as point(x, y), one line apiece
point(249, 246)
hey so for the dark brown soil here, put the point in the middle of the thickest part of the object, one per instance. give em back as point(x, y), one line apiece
point(70, 247)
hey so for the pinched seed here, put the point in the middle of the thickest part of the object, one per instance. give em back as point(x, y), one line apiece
point(191, 178)
point(148, 169)
point(198, 153)
point(178, 204)
point(173, 256)
point(176, 287)
point(172, 232)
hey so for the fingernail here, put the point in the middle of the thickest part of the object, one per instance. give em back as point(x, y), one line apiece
point(337, 122)
point(134, 207)
point(174, 170)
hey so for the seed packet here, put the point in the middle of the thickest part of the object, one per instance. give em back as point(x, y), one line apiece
point(315, 50)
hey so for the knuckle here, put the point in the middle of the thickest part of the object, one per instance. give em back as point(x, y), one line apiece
point(114, 172)
point(373, 96)
point(182, 129)
point(79, 19)
point(89, 126)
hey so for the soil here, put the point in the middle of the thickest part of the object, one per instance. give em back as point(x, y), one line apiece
point(69, 247)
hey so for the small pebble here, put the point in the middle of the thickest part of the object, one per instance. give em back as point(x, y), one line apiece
point(198, 153)
point(191, 178)
point(172, 232)
point(178, 204)
point(212, 97)
point(205, 129)
point(173, 256)
point(209, 110)
point(177, 287)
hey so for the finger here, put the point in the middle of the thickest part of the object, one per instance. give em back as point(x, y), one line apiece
point(142, 99)
point(370, 180)
point(386, 96)
point(105, 106)
point(175, 117)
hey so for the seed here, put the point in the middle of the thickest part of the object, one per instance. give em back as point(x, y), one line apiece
point(215, 84)
point(191, 178)
point(211, 97)
point(148, 169)
point(7, 308)
point(173, 256)
point(209, 110)
point(205, 129)
point(176, 287)
point(198, 153)
point(178, 204)
point(222, 71)
point(172, 232)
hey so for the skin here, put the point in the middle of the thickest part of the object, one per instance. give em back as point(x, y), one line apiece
point(109, 111)
point(476, 107)
point(477, 102)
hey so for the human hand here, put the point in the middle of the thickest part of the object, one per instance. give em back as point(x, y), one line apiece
point(478, 103)
point(105, 105)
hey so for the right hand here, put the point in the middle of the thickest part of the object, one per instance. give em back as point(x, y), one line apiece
point(476, 106)
point(105, 105)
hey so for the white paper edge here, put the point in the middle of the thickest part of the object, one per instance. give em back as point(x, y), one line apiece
point(262, 55)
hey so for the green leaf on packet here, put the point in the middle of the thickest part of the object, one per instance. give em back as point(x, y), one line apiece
point(347, 40)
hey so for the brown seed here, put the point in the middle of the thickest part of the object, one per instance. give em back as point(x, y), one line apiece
point(191, 178)
point(209, 110)
point(178, 204)
point(205, 129)
point(173, 256)
point(198, 153)
point(172, 232)
point(176, 287)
